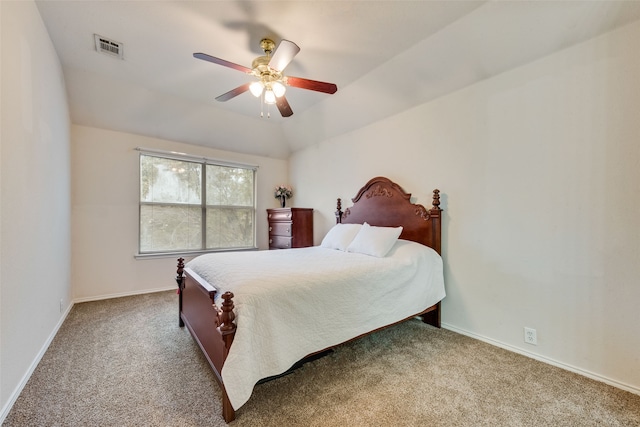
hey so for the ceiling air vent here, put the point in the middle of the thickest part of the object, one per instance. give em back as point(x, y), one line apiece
point(108, 47)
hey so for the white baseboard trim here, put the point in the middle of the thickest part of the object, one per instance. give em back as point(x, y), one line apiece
point(124, 294)
point(584, 373)
point(23, 382)
point(25, 378)
point(14, 396)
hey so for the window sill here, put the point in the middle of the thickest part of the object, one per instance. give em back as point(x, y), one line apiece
point(187, 254)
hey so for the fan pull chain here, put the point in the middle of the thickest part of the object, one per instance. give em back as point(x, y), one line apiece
point(262, 103)
point(261, 99)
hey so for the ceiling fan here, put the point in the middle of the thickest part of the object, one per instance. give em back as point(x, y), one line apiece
point(271, 83)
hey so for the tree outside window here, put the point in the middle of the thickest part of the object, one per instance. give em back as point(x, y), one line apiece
point(190, 205)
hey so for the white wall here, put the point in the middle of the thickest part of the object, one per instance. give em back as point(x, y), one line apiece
point(539, 170)
point(35, 196)
point(105, 211)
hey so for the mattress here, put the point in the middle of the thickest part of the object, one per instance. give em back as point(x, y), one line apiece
point(293, 302)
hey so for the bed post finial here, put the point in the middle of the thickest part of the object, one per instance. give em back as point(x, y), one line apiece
point(339, 211)
point(436, 225)
point(436, 199)
point(180, 282)
point(180, 266)
point(226, 314)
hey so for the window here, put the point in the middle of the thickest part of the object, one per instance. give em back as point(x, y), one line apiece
point(190, 204)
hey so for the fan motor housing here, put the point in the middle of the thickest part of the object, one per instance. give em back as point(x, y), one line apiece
point(261, 69)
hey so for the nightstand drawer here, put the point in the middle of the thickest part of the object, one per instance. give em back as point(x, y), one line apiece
point(280, 242)
point(280, 229)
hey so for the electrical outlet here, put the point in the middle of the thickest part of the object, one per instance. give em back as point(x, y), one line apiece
point(530, 336)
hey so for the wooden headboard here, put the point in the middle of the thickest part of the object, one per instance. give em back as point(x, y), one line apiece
point(383, 203)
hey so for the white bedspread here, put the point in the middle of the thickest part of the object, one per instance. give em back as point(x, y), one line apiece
point(293, 302)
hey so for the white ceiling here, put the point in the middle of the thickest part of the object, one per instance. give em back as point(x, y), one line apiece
point(384, 56)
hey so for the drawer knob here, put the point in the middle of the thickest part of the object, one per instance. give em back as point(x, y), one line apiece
point(288, 230)
point(270, 228)
point(270, 241)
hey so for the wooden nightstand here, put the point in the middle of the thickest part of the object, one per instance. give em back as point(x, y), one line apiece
point(290, 228)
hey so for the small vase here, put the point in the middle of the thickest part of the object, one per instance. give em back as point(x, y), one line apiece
point(282, 201)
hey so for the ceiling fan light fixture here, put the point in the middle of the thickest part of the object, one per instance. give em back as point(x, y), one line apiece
point(268, 70)
point(256, 88)
point(269, 97)
point(278, 89)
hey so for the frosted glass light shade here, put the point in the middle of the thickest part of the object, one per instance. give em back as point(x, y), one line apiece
point(256, 88)
point(278, 89)
point(269, 97)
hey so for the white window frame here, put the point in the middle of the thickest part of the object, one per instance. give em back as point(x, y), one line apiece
point(204, 161)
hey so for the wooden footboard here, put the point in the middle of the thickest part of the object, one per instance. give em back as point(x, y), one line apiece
point(211, 327)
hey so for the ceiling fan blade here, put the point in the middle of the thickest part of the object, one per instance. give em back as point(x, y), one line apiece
point(312, 85)
point(233, 93)
point(284, 107)
point(283, 55)
point(219, 61)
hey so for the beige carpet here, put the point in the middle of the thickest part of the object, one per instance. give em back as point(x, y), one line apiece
point(125, 362)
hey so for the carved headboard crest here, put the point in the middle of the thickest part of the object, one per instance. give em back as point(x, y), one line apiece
point(379, 191)
point(422, 212)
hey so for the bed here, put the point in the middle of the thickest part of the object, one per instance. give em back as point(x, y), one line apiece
point(255, 314)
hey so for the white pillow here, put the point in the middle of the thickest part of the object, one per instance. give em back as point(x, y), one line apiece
point(375, 241)
point(340, 236)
